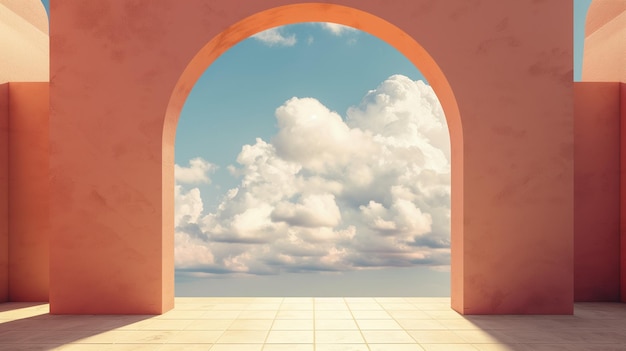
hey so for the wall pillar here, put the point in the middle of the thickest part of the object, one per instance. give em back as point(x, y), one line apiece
point(28, 191)
point(622, 103)
point(596, 191)
point(4, 192)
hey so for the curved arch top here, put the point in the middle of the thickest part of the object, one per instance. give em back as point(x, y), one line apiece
point(317, 12)
point(314, 12)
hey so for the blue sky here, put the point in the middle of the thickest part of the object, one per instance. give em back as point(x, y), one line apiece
point(266, 200)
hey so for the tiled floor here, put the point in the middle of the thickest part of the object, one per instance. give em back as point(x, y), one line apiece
point(308, 324)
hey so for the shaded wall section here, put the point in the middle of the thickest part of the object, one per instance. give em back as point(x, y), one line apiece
point(4, 192)
point(596, 191)
point(623, 189)
point(28, 191)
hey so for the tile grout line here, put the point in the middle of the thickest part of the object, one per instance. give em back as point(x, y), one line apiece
point(367, 344)
point(272, 325)
point(403, 328)
point(314, 326)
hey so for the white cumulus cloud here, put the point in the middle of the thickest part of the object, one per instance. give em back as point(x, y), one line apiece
point(275, 37)
point(327, 193)
point(197, 172)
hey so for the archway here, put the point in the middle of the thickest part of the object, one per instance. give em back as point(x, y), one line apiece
point(290, 14)
point(512, 160)
point(267, 237)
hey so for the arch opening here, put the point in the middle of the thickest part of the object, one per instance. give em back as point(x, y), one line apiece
point(366, 22)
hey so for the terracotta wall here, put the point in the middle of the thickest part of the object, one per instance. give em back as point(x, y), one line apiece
point(596, 191)
point(28, 191)
point(4, 192)
point(117, 69)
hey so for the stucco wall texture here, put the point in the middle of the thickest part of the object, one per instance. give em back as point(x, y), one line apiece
point(526, 236)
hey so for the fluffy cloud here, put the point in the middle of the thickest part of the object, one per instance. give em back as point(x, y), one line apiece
point(337, 29)
point(275, 37)
point(328, 193)
point(197, 172)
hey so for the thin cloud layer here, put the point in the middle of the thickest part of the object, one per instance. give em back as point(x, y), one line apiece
point(337, 29)
point(279, 36)
point(327, 193)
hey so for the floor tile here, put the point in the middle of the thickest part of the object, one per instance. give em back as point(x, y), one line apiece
point(360, 300)
point(290, 337)
point(448, 347)
point(341, 347)
point(448, 314)
point(501, 347)
point(182, 314)
point(167, 324)
point(395, 347)
point(296, 307)
point(387, 337)
point(292, 324)
point(210, 324)
point(378, 324)
point(338, 337)
point(147, 337)
point(195, 337)
point(365, 307)
point(289, 347)
point(251, 324)
point(479, 336)
point(421, 324)
point(220, 315)
point(236, 347)
point(294, 314)
point(335, 314)
point(179, 347)
point(257, 314)
point(242, 337)
point(79, 347)
point(371, 315)
point(435, 337)
point(409, 314)
point(263, 306)
point(331, 307)
point(335, 324)
point(138, 347)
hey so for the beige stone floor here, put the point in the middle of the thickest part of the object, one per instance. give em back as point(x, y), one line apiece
point(308, 324)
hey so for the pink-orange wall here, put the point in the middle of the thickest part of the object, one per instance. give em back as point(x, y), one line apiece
point(28, 191)
point(596, 191)
point(24, 40)
point(502, 70)
point(4, 192)
point(604, 57)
